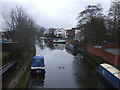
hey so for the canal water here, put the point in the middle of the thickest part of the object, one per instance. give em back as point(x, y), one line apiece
point(64, 69)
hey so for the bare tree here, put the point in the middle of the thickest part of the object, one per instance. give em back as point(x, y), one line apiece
point(114, 20)
point(21, 27)
point(40, 31)
point(91, 21)
point(114, 13)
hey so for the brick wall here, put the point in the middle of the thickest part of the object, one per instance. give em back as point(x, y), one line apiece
point(111, 46)
point(74, 42)
point(109, 57)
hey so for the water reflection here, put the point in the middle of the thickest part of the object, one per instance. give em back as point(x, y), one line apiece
point(50, 46)
point(59, 46)
point(79, 56)
point(53, 46)
point(36, 81)
point(71, 52)
point(85, 72)
point(40, 43)
point(85, 76)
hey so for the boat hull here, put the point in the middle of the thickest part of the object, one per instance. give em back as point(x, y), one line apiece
point(108, 74)
point(38, 71)
point(105, 81)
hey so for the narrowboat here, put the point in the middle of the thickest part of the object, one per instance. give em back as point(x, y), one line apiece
point(110, 74)
point(72, 47)
point(38, 66)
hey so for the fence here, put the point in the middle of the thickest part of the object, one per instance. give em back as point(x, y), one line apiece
point(6, 69)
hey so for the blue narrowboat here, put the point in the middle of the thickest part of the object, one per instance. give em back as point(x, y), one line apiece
point(111, 74)
point(38, 66)
point(72, 47)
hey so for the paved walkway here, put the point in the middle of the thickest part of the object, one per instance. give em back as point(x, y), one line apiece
point(14, 82)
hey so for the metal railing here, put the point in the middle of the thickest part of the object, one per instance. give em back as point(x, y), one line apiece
point(7, 67)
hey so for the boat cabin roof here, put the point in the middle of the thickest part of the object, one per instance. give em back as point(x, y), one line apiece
point(38, 61)
point(111, 69)
point(38, 57)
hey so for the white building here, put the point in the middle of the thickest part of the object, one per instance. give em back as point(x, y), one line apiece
point(60, 33)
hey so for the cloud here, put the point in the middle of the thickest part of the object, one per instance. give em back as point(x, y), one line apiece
point(53, 13)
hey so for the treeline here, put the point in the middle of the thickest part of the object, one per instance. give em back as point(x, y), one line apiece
point(98, 28)
point(21, 29)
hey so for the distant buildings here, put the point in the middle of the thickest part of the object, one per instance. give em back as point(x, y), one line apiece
point(74, 33)
point(57, 33)
point(50, 32)
point(70, 33)
point(60, 33)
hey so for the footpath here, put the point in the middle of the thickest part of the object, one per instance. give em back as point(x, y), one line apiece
point(15, 80)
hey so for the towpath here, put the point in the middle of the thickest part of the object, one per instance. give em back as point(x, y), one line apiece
point(15, 80)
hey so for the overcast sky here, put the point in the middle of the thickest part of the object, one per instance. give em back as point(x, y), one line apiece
point(54, 13)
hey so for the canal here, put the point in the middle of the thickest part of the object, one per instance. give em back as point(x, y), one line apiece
point(64, 69)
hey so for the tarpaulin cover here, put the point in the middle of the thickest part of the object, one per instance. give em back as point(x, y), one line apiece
point(38, 61)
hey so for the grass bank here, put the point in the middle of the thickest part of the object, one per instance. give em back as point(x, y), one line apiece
point(23, 81)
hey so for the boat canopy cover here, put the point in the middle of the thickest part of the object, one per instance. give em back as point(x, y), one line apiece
point(38, 57)
point(38, 61)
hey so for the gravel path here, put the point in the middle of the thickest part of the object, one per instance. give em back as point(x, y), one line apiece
point(13, 83)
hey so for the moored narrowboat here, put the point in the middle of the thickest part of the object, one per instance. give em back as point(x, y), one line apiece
point(110, 74)
point(72, 47)
point(38, 66)
point(59, 41)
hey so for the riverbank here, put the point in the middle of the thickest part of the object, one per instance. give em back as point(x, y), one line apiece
point(96, 60)
point(23, 81)
point(108, 57)
point(13, 74)
point(17, 78)
point(98, 56)
point(24, 78)
point(81, 46)
point(23, 68)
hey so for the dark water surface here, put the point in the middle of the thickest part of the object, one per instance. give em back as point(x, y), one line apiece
point(64, 70)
